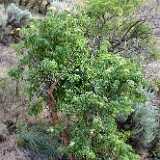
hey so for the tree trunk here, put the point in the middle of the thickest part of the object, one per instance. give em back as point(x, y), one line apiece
point(55, 119)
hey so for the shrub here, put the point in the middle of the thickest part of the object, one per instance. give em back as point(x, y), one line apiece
point(17, 17)
point(145, 120)
point(127, 34)
point(11, 22)
point(89, 88)
point(60, 6)
point(155, 150)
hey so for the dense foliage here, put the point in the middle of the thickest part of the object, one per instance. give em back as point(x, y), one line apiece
point(90, 87)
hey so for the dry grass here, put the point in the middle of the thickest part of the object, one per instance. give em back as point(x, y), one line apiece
point(153, 70)
point(8, 59)
point(12, 110)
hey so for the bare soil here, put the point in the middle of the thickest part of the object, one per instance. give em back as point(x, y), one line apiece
point(12, 110)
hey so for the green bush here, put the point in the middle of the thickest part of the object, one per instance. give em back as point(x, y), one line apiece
point(93, 87)
point(116, 22)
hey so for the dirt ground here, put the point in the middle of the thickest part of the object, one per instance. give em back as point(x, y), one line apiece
point(8, 149)
point(12, 109)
